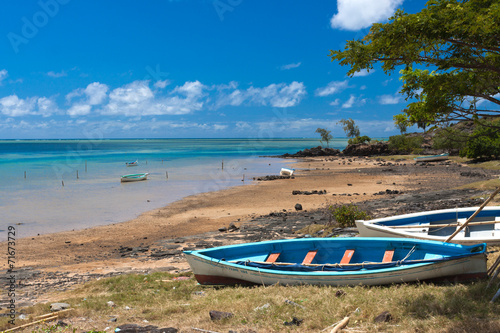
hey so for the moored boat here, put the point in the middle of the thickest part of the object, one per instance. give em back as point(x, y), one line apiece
point(337, 261)
point(438, 225)
point(432, 158)
point(286, 172)
point(134, 177)
point(135, 163)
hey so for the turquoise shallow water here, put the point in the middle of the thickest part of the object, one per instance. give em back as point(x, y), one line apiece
point(41, 204)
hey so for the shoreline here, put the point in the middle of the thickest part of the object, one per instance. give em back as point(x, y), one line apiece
point(190, 215)
point(262, 210)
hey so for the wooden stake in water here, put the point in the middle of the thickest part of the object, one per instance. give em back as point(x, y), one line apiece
point(166, 174)
point(62, 182)
point(222, 164)
point(77, 175)
point(24, 174)
point(85, 166)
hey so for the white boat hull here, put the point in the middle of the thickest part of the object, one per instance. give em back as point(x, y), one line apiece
point(286, 172)
point(134, 178)
point(433, 158)
point(488, 233)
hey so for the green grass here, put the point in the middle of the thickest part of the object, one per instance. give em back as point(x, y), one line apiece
point(395, 157)
point(185, 304)
point(490, 165)
point(486, 185)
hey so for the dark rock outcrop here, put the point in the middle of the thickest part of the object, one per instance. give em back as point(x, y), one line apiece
point(364, 149)
point(313, 152)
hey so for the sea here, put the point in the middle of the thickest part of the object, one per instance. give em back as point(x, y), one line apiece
point(60, 185)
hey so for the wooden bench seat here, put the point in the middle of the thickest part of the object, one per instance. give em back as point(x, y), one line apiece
point(272, 257)
point(309, 257)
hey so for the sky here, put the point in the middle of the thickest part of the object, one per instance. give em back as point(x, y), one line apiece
point(190, 69)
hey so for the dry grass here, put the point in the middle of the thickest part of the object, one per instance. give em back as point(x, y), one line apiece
point(164, 302)
point(485, 185)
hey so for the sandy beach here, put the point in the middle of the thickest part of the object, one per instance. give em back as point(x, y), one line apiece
point(95, 249)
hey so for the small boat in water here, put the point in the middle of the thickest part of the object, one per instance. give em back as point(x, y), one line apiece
point(134, 177)
point(286, 172)
point(338, 262)
point(135, 163)
point(438, 225)
point(432, 158)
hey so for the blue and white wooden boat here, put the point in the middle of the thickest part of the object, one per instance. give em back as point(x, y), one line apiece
point(432, 158)
point(134, 177)
point(438, 225)
point(135, 163)
point(338, 262)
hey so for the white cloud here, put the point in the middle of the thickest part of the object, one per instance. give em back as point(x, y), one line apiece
point(137, 99)
point(278, 95)
point(290, 66)
point(14, 106)
point(363, 72)
point(57, 75)
point(219, 127)
point(96, 93)
point(353, 100)
point(390, 99)
point(161, 84)
point(335, 102)
point(287, 96)
point(3, 75)
point(191, 89)
point(79, 110)
point(132, 93)
point(46, 106)
point(359, 14)
point(333, 87)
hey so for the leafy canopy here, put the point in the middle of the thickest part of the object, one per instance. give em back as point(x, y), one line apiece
point(325, 135)
point(448, 55)
point(349, 127)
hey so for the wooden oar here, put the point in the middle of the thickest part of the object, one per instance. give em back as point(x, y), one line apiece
point(423, 226)
point(473, 215)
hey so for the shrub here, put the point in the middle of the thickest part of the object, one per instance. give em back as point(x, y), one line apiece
point(345, 215)
point(484, 142)
point(359, 139)
point(405, 144)
point(449, 139)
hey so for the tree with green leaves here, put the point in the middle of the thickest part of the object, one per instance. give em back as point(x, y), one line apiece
point(484, 142)
point(448, 56)
point(350, 128)
point(325, 135)
point(401, 122)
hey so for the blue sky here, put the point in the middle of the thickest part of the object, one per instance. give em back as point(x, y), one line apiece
point(189, 68)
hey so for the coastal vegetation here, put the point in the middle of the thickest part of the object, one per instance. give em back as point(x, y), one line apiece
point(345, 215)
point(448, 63)
point(325, 135)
